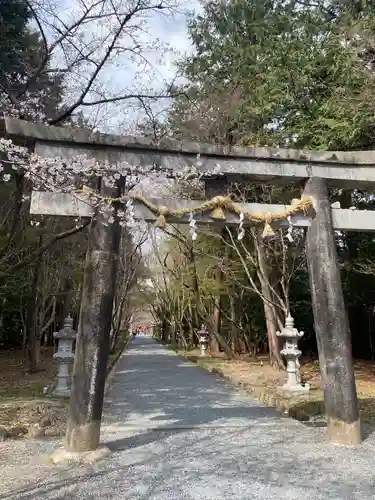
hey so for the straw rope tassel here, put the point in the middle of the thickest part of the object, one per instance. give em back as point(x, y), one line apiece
point(218, 214)
point(268, 232)
point(161, 221)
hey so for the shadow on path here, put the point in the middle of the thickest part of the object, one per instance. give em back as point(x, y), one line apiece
point(156, 390)
point(180, 433)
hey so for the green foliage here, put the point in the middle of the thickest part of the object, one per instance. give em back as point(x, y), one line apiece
point(290, 75)
point(25, 80)
point(14, 16)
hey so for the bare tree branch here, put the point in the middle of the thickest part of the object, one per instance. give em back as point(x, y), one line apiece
point(37, 253)
point(100, 65)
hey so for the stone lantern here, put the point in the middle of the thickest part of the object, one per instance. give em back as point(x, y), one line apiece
point(203, 340)
point(291, 353)
point(64, 356)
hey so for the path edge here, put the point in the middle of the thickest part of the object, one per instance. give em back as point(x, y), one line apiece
point(269, 400)
point(112, 368)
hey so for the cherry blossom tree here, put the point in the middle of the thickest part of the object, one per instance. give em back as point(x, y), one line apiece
point(104, 54)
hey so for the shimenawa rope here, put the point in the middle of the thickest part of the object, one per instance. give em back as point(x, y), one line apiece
point(217, 206)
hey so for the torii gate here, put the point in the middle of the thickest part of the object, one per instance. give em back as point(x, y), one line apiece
point(318, 170)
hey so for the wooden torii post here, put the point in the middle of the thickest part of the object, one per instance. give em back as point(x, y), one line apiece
point(319, 170)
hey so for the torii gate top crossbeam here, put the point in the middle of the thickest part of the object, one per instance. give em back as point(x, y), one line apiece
point(268, 165)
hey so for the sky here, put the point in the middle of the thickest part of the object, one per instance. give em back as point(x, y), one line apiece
point(162, 36)
point(172, 33)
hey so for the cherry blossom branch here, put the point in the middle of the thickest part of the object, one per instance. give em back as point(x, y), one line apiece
point(64, 175)
point(79, 101)
point(86, 41)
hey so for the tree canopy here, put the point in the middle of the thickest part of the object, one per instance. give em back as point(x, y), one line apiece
point(285, 73)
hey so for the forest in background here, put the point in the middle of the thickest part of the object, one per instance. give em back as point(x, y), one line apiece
point(280, 73)
point(296, 74)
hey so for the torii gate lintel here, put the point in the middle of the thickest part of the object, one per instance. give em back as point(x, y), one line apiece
point(342, 169)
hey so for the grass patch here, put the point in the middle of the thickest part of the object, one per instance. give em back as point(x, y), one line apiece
point(31, 391)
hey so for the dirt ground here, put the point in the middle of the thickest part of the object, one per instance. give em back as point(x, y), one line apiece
point(15, 381)
point(256, 376)
point(24, 410)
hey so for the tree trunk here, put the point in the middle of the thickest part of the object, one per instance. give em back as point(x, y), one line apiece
point(270, 312)
point(191, 340)
point(220, 340)
point(216, 187)
point(199, 312)
point(117, 326)
point(183, 339)
point(273, 341)
point(33, 345)
point(165, 331)
point(224, 346)
point(195, 315)
point(68, 298)
point(45, 327)
point(214, 344)
point(15, 230)
point(234, 329)
point(173, 334)
point(4, 301)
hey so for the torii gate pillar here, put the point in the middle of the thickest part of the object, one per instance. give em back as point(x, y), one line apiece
point(331, 322)
point(92, 348)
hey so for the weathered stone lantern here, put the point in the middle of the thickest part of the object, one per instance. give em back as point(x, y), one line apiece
point(203, 340)
point(291, 353)
point(65, 357)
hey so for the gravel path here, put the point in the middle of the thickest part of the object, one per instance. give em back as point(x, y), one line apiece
point(178, 432)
